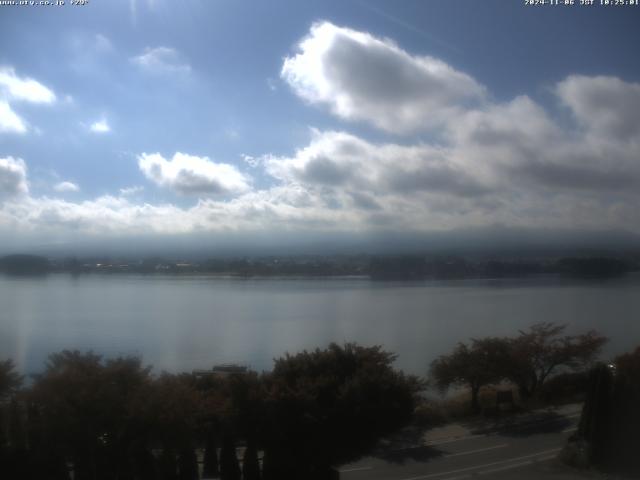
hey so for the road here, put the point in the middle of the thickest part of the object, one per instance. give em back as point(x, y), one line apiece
point(523, 449)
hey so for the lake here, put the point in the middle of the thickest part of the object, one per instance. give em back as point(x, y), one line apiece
point(178, 323)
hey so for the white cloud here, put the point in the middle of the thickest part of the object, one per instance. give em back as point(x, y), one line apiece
point(15, 88)
point(520, 145)
point(10, 122)
point(606, 106)
point(361, 77)
point(103, 215)
point(64, 187)
point(100, 126)
point(192, 175)
point(337, 160)
point(162, 60)
point(13, 177)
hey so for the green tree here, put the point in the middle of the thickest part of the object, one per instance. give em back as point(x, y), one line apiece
point(543, 350)
point(474, 366)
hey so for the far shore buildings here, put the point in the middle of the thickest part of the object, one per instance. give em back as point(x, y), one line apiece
point(223, 370)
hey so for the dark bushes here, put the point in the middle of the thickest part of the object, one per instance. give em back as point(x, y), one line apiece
point(112, 419)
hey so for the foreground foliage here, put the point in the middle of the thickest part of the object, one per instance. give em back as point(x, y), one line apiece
point(329, 406)
point(113, 419)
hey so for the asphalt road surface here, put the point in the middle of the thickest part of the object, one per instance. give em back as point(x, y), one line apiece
point(525, 450)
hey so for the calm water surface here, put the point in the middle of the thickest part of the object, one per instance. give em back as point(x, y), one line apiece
point(179, 323)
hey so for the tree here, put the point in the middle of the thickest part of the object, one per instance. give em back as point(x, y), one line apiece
point(86, 409)
point(542, 350)
point(69, 403)
point(473, 366)
point(172, 406)
point(14, 460)
point(213, 410)
point(329, 406)
point(10, 380)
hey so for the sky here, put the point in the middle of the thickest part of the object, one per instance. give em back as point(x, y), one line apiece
point(277, 121)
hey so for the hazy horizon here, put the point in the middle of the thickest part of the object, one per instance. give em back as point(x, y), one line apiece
point(491, 241)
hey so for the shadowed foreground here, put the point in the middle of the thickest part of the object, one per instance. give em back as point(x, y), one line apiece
point(112, 419)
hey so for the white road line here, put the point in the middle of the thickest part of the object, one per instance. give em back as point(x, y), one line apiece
point(572, 429)
point(475, 451)
point(354, 469)
point(501, 462)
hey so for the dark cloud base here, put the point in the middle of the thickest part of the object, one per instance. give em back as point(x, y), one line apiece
point(496, 241)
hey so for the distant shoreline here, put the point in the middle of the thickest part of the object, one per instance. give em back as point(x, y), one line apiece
point(390, 267)
point(550, 277)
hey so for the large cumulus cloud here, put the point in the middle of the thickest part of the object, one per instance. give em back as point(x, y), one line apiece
point(518, 142)
point(193, 175)
point(361, 77)
point(606, 106)
point(344, 162)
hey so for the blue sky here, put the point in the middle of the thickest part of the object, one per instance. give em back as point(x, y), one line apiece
point(211, 118)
